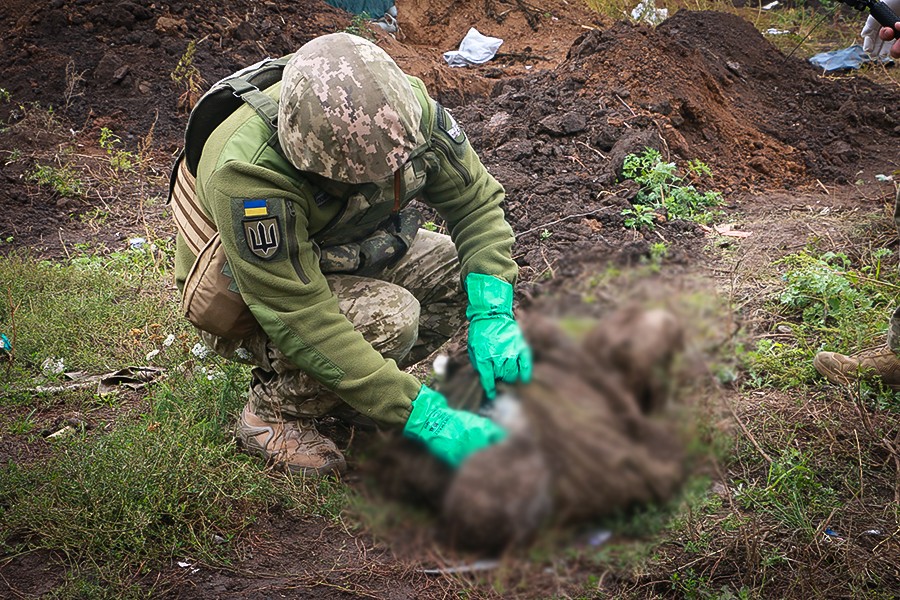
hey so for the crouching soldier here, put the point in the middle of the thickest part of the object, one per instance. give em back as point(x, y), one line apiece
point(299, 253)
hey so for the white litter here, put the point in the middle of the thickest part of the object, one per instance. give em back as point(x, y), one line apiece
point(475, 49)
point(647, 12)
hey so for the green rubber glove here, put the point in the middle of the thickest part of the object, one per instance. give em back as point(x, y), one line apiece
point(497, 347)
point(451, 435)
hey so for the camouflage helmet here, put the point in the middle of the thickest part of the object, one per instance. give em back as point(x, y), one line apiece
point(347, 112)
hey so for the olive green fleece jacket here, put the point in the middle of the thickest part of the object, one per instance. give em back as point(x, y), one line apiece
point(288, 294)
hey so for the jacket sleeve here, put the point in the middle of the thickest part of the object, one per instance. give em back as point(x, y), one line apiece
point(468, 198)
point(262, 220)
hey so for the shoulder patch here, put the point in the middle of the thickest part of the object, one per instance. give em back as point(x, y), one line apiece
point(259, 227)
point(448, 125)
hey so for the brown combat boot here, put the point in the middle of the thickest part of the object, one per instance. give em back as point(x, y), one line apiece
point(871, 364)
point(295, 445)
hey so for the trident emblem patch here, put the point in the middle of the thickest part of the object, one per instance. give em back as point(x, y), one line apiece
point(263, 236)
point(260, 229)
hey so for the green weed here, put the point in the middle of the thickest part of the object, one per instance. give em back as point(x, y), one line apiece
point(187, 75)
point(793, 493)
point(640, 216)
point(827, 303)
point(23, 425)
point(119, 160)
point(359, 26)
point(62, 180)
point(664, 189)
point(14, 156)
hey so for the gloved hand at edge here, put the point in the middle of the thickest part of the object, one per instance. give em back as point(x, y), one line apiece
point(873, 43)
point(497, 348)
point(449, 434)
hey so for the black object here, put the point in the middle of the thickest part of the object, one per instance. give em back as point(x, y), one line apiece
point(881, 11)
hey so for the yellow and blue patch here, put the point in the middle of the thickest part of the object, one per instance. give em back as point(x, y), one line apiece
point(255, 208)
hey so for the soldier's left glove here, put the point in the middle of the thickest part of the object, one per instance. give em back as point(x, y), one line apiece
point(497, 347)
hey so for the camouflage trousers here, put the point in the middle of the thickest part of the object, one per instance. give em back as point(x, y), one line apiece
point(406, 311)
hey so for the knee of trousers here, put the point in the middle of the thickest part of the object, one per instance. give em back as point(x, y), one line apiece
point(391, 324)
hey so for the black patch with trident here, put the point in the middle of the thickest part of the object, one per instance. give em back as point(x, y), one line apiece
point(263, 236)
point(260, 226)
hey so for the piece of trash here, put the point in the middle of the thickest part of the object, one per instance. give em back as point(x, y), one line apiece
point(133, 378)
point(64, 431)
point(170, 339)
point(883, 177)
point(388, 20)
point(599, 537)
point(728, 229)
point(474, 49)
point(136, 243)
point(872, 532)
point(218, 539)
point(151, 355)
point(773, 31)
point(187, 565)
point(771, 5)
point(478, 565)
point(200, 350)
point(647, 12)
point(831, 534)
point(53, 366)
point(845, 59)
point(440, 364)
point(5, 344)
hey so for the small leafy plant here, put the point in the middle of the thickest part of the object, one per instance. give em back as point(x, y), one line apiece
point(664, 189)
point(119, 160)
point(639, 216)
point(62, 180)
point(359, 26)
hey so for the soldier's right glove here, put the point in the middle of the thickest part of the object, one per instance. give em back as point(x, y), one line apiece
point(449, 434)
point(872, 43)
point(497, 347)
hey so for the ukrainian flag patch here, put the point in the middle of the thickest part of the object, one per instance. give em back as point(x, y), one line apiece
point(255, 208)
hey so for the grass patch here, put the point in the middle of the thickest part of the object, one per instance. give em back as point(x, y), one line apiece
point(94, 312)
point(118, 501)
point(167, 486)
point(828, 302)
point(793, 493)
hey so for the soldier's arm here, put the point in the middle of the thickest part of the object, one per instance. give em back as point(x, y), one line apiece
point(277, 272)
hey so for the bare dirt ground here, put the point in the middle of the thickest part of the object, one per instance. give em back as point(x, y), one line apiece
point(553, 116)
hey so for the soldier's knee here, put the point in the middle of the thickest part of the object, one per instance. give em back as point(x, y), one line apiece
point(393, 325)
point(405, 322)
